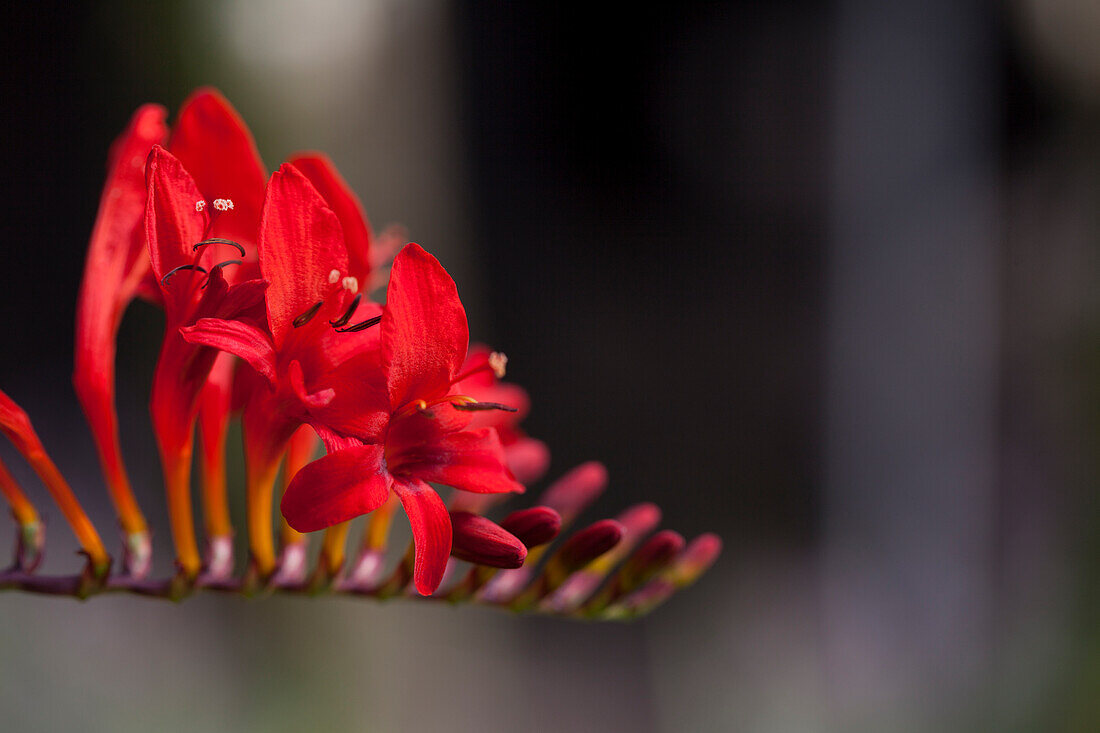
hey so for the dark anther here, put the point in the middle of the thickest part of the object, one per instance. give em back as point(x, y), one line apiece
point(479, 406)
point(219, 240)
point(174, 270)
point(361, 326)
point(426, 412)
point(308, 315)
point(343, 320)
point(219, 266)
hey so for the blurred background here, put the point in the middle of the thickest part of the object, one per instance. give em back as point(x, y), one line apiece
point(817, 276)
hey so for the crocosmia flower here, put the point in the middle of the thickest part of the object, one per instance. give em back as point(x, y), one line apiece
point(423, 435)
point(189, 264)
point(115, 271)
point(310, 347)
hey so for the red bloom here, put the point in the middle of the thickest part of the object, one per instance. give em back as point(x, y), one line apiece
point(213, 144)
point(310, 355)
point(114, 271)
point(188, 259)
point(422, 433)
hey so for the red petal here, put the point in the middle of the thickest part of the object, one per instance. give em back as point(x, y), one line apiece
point(266, 428)
point(300, 244)
point(298, 384)
point(478, 356)
point(336, 488)
point(172, 224)
point(116, 265)
point(470, 461)
point(16, 425)
point(215, 146)
point(236, 337)
point(342, 200)
point(431, 530)
point(424, 330)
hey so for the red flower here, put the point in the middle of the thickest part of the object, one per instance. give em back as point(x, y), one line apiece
point(216, 148)
point(182, 229)
point(308, 352)
point(114, 272)
point(422, 434)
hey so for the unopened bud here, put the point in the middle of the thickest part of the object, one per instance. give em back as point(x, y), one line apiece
point(527, 459)
point(655, 554)
point(483, 542)
point(533, 527)
point(637, 522)
point(588, 544)
point(640, 519)
point(650, 559)
point(574, 491)
point(695, 559)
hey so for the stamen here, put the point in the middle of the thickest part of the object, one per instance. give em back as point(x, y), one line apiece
point(219, 240)
point(497, 362)
point(173, 271)
point(479, 406)
point(223, 204)
point(350, 284)
point(361, 326)
point(343, 320)
point(219, 266)
point(308, 315)
point(200, 205)
point(333, 277)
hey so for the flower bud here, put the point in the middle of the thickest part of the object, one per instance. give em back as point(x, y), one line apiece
point(650, 559)
point(527, 459)
point(588, 544)
point(694, 561)
point(574, 491)
point(483, 542)
point(535, 526)
point(653, 556)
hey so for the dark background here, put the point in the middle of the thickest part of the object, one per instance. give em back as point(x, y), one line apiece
point(819, 277)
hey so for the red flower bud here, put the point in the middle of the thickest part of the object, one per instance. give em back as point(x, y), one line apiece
point(656, 553)
point(694, 561)
point(483, 542)
point(640, 519)
point(574, 491)
point(589, 543)
point(535, 526)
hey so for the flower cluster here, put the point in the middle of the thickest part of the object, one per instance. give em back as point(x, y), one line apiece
point(266, 285)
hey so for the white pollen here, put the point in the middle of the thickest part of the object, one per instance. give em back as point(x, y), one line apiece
point(333, 277)
point(223, 204)
point(350, 284)
point(200, 205)
point(497, 362)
